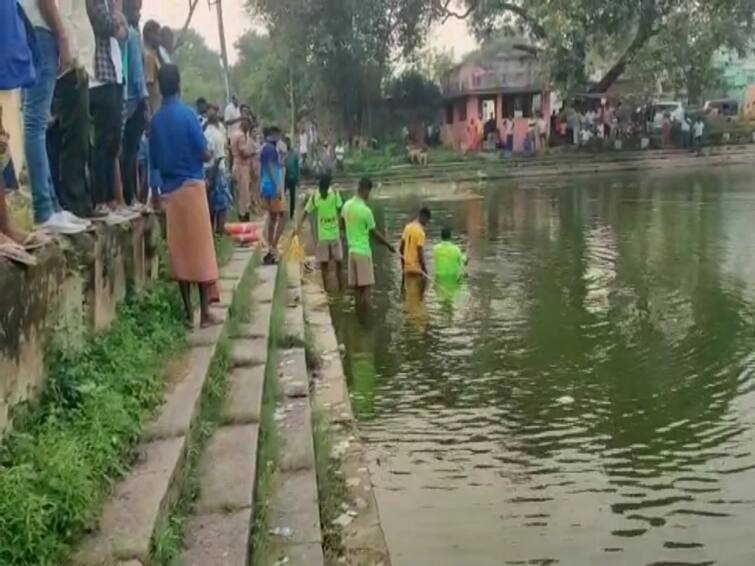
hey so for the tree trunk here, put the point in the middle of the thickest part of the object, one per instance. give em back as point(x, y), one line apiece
point(292, 98)
point(645, 31)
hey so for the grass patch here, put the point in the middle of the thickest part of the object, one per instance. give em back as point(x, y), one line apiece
point(166, 543)
point(263, 548)
point(67, 449)
point(311, 349)
point(331, 488)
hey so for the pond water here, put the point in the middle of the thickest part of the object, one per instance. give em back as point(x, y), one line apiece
point(587, 396)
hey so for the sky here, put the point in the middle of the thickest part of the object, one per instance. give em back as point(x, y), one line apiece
point(452, 35)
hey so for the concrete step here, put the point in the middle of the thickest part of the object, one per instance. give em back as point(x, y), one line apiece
point(219, 539)
point(243, 402)
point(143, 499)
point(227, 470)
point(218, 531)
point(136, 506)
point(295, 508)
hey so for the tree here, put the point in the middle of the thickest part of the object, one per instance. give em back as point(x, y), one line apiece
point(201, 72)
point(414, 99)
point(569, 31)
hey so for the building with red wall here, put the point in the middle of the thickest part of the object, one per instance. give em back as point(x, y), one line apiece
point(504, 82)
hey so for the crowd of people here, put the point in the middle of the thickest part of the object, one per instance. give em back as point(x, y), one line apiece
point(89, 80)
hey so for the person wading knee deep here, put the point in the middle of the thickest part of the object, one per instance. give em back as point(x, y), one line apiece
point(180, 161)
point(360, 225)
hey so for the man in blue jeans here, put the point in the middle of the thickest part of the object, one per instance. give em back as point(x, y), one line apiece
point(52, 52)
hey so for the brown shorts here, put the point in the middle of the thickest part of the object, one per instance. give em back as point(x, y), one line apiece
point(275, 204)
point(361, 273)
point(329, 250)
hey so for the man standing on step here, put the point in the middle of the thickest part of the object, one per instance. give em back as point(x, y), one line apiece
point(180, 161)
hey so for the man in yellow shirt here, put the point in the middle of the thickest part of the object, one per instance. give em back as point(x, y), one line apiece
point(412, 244)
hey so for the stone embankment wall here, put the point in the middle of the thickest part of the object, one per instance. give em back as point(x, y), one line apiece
point(74, 289)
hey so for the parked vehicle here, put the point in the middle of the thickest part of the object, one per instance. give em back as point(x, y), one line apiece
point(722, 107)
point(675, 109)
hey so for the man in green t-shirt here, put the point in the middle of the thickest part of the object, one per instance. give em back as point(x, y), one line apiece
point(449, 259)
point(360, 224)
point(328, 204)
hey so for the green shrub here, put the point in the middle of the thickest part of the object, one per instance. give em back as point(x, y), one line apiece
point(64, 453)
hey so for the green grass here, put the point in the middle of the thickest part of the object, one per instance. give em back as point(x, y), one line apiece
point(263, 548)
point(66, 450)
point(376, 161)
point(166, 543)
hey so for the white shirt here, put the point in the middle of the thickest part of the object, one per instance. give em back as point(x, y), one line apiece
point(232, 112)
point(73, 13)
point(303, 143)
point(685, 126)
point(216, 140)
point(699, 128)
point(31, 7)
point(542, 126)
point(340, 152)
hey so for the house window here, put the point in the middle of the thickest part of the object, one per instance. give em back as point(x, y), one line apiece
point(462, 110)
point(518, 105)
point(449, 113)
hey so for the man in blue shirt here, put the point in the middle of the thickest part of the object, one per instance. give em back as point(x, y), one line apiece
point(178, 150)
point(270, 167)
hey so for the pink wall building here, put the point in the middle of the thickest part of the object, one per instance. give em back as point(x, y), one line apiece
point(505, 85)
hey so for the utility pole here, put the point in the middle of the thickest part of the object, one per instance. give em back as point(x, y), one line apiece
point(223, 49)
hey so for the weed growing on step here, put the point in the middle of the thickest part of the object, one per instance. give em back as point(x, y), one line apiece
point(166, 543)
point(263, 547)
point(331, 488)
point(66, 450)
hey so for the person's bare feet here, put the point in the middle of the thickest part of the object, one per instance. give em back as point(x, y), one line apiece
point(17, 235)
point(209, 320)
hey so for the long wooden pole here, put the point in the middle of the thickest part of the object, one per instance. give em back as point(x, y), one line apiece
point(192, 8)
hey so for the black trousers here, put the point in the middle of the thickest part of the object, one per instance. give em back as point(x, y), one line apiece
point(291, 185)
point(106, 107)
point(68, 142)
point(132, 135)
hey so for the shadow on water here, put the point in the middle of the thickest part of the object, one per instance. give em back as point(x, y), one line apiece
point(587, 396)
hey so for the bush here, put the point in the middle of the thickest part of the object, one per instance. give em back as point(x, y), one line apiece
point(57, 465)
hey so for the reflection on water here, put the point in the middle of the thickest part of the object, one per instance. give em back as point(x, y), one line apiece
point(635, 297)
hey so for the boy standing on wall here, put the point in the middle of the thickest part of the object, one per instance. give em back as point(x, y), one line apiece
point(328, 204)
point(360, 225)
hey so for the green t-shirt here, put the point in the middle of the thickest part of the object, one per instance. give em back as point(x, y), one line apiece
point(359, 221)
point(327, 214)
point(449, 261)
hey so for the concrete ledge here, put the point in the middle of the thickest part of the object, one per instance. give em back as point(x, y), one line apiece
point(296, 507)
point(294, 379)
point(243, 402)
point(181, 406)
point(135, 507)
point(227, 470)
point(307, 555)
point(249, 352)
point(217, 540)
point(297, 450)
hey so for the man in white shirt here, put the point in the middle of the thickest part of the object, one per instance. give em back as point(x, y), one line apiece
point(68, 138)
point(698, 129)
point(232, 116)
point(303, 146)
point(53, 51)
